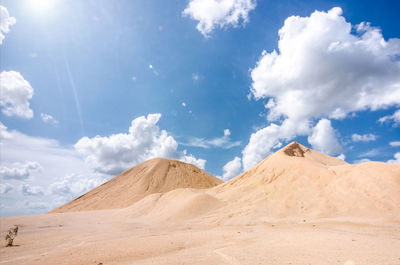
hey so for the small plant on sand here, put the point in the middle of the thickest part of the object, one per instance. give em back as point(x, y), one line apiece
point(12, 233)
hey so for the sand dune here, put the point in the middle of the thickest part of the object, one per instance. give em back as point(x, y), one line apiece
point(297, 182)
point(153, 176)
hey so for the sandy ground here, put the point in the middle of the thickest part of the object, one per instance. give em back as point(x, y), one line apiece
point(110, 238)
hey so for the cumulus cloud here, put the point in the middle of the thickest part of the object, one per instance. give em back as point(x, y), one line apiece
point(201, 163)
point(4, 134)
point(15, 93)
point(18, 171)
point(5, 188)
point(357, 70)
point(5, 22)
point(342, 156)
point(395, 143)
point(227, 132)
point(47, 118)
point(394, 118)
point(219, 142)
point(396, 159)
point(118, 152)
point(323, 138)
point(363, 138)
point(260, 145)
point(73, 185)
point(32, 190)
point(232, 168)
point(218, 13)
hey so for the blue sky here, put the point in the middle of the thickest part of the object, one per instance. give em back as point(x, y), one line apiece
point(91, 88)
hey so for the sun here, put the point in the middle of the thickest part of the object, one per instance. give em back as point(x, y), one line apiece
point(41, 5)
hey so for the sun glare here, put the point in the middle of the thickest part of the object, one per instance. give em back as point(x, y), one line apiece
point(41, 5)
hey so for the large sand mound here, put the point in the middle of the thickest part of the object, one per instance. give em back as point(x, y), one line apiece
point(154, 176)
point(297, 182)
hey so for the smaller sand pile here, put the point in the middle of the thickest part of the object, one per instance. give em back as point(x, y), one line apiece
point(153, 176)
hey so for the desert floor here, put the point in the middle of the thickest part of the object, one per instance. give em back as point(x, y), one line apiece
point(108, 237)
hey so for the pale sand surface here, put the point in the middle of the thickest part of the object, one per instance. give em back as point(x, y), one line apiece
point(297, 206)
point(107, 236)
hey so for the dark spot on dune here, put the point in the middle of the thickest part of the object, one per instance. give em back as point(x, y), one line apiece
point(294, 149)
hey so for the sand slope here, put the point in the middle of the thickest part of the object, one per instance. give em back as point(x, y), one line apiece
point(297, 182)
point(153, 176)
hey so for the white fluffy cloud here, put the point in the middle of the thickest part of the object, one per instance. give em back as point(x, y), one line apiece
point(5, 188)
point(324, 67)
point(260, 145)
point(15, 93)
point(118, 152)
point(28, 190)
point(18, 171)
point(47, 118)
point(4, 134)
point(73, 185)
point(356, 71)
point(342, 156)
point(395, 118)
point(218, 13)
point(219, 142)
point(363, 138)
point(396, 159)
point(323, 138)
point(5, 22)
point(395, 143)
point(232, 168)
